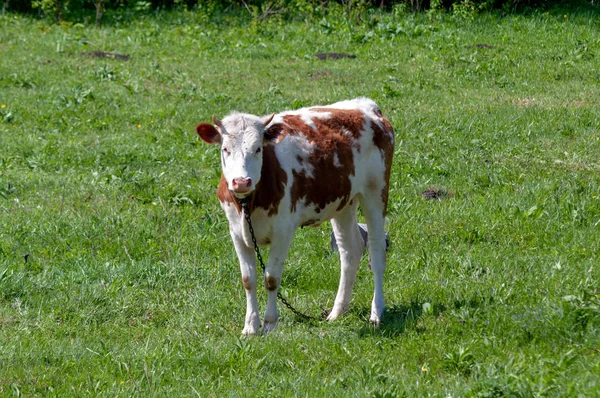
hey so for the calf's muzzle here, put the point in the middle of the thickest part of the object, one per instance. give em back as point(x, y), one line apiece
point(242, 184)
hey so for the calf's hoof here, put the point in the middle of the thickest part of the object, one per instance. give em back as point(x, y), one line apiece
point(250, 331)
point(336, 312)
point(376, 319)
point(269, 326)
point(251, 328)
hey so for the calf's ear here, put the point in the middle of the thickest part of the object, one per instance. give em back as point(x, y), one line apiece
point(273, 132)
point(208, 133)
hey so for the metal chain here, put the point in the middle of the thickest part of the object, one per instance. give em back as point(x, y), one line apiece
point(244, 204)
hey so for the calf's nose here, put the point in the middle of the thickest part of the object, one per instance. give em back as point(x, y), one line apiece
point(242, 184)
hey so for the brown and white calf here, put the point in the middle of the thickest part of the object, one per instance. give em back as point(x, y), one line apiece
point(300, 168)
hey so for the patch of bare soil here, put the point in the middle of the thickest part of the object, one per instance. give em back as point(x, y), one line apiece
point(324, 56)
point(103, 54)
point(436, 193)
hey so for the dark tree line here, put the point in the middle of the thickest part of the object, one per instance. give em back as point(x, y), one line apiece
point(61, 9)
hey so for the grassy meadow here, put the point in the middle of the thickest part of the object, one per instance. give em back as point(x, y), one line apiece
point(117, 273)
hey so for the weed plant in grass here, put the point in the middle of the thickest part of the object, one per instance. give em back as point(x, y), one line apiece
point(117, 274)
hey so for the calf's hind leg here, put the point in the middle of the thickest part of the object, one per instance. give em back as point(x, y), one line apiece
point(374, 209)
point(351, 246)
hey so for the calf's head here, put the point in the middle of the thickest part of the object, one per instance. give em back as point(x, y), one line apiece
point(241, 137)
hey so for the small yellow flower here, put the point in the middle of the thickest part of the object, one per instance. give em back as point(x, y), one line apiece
point(3, 106)
point(424, 369)
point(594, 197)
point(152, 121)
point(435, 58)
point(63, 116)
point(122, 382)
point(565, 16)
point(139, 126)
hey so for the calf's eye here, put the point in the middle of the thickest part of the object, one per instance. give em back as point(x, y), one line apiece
point(258, 150)
point(226, 151)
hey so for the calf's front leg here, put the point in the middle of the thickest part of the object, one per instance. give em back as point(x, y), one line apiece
point(248, 268)
point(279, 247)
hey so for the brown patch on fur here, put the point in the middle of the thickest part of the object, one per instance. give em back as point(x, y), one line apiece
point(372, 184)
point(330, 139)
point(246, 282)
point(383, 139)
point(269, 190)
point(225, 195)
point(271, 283)
point(352, 120)
point(271, 187)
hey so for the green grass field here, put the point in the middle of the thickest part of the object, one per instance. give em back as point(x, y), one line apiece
point(117, 273)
